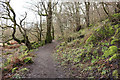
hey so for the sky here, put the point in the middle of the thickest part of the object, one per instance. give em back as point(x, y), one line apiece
point(20, 7)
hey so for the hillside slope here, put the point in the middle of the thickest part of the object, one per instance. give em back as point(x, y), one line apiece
point(96, 55)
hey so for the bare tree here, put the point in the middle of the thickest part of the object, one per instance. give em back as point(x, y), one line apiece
point(11, 15)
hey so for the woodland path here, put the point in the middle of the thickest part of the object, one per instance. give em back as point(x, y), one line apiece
point(44, 65)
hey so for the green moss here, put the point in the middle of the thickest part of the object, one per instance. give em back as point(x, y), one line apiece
point(48, 38)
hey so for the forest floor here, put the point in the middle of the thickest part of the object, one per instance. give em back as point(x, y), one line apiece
point(44, 65)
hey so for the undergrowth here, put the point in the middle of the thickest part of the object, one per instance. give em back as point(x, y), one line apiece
point(94, 56)
point(12, 67)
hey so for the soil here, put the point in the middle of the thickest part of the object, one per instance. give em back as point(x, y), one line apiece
point(44, 65)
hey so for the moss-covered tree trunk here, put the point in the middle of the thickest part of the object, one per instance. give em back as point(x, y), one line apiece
point(53, 36)
point(40, 27)
point(12, 17)
point(27, 43)
point(49, 24)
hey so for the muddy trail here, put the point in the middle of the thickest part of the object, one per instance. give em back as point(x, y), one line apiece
point(44, 65)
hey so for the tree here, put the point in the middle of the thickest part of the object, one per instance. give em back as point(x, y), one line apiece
point(87, 6)
point(49, 23)
point(77, 16)
point(46, 11)
point(11, 15)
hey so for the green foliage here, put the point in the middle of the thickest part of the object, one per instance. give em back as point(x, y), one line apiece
point(101, 33)
point(104, 72)
point(23, 48)
point(57, 50)
point(115, 73)
point(25, 54)
point(38, 44)
point(48, 38)
point(115, 41)
point(93, 60)
point(14, 69)
point(96, 53)
point(115, 56)
point(91, 25)
point(24, 69)
point(116, 26)
point(117, 34)
point(111, 51)
point(62, 44)
point(92, 38)
point(116, 15)
point(116, 18)
point(5, 70)
point(28, 60)
point(104, 48)
point(7, 53)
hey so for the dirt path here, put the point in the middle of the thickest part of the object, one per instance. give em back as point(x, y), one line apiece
point(44, 65)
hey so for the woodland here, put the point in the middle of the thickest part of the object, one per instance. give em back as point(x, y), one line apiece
point(73, 39)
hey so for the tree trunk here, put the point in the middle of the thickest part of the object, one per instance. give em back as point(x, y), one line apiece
point(49, 24)
point(105, 9)
point(27, 43)
point(40, 27)
point(53, 36)
point(87, 5)
point(77, 17)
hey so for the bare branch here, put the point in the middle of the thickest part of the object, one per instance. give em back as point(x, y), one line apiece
point(44, 7)
point(23, 19)
point(7, 40)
